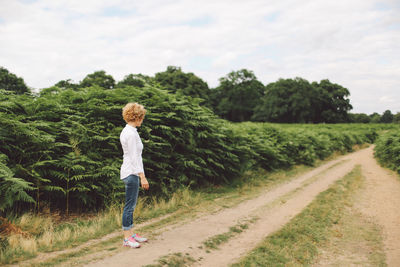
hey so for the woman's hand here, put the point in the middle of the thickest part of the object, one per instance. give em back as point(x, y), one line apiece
point(144, 182)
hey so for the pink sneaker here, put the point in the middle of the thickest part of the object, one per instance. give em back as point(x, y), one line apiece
point(138, 238)
point(130, 242)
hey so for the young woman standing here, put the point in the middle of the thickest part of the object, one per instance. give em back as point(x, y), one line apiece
point(132, 171)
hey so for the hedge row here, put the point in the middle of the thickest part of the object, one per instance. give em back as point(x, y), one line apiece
point(61, 148)
point(273, 146)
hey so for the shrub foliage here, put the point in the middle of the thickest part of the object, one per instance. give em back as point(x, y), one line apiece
point(61, 149)
point(387, 150)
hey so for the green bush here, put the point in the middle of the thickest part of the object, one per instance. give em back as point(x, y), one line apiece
point(387, 150)
point(61, 148)
point(66, 144)
point(275, 146)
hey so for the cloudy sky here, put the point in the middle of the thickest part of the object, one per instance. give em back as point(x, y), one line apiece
point(355, 43)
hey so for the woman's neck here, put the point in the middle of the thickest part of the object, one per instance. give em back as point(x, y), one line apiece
point(133, 124)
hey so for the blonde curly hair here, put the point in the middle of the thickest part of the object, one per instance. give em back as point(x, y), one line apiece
point(133, 112)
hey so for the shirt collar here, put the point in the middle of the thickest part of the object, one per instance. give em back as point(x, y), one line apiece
point(129, 126)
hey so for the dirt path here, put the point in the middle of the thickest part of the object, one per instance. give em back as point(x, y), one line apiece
point(381, 202)
point(264, 215)
point(273, 209)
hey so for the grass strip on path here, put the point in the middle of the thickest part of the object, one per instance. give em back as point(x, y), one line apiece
point(296, 244)
point(215, 241)
point(173, 260)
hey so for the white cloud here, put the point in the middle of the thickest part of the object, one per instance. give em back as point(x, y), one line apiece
point(353, 43)
point(386, 99)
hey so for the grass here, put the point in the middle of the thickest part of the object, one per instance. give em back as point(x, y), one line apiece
point(215, 241)
point(296, 244)
point(46, 236)
point(173, 260)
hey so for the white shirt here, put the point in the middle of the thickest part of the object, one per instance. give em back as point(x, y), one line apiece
point(132, 147)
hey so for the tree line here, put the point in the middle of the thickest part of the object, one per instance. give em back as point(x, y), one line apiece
point(239, 97)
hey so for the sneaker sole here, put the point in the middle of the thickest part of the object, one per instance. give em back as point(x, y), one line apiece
point(130, 246)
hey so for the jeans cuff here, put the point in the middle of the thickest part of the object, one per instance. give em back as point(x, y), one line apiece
point(126, 228)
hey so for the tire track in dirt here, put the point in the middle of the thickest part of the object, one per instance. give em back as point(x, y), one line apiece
point(188, 238)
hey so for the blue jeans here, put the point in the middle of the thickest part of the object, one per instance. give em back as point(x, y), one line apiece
point(131, 194)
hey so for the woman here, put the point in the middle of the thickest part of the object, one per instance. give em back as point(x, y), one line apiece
point(132, 169)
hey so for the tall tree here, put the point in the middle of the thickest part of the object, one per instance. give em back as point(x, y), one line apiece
point(175, 80)
point(287, 101)
point(333, 102)
point(10, 82)
point(99, 78)
point(137, 80)
point(237, 95)
point(67, 84)
point(387, 117)
point(298, 101)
